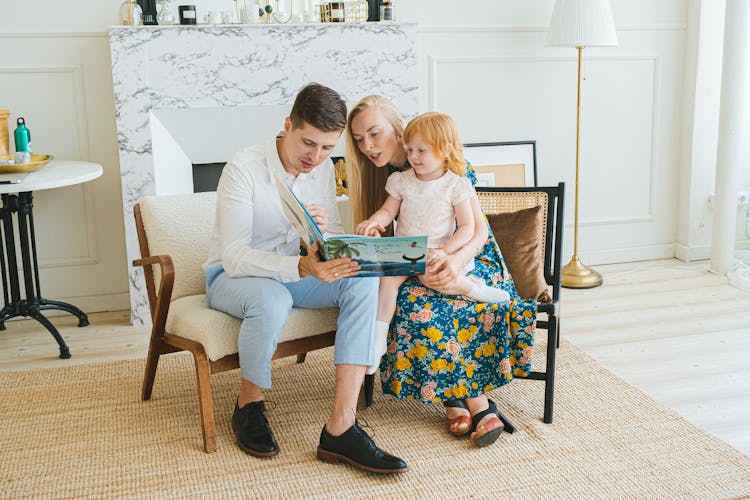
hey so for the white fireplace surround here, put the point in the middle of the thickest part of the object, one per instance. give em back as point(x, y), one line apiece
point(187, 95)
point(181, 137)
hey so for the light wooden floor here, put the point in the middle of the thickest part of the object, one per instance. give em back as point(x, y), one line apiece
point(673, 330)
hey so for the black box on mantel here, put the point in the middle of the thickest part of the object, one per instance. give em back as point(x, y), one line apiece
point(149, 11)
point(373, 10)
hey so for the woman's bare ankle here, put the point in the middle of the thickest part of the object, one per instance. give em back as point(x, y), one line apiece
point(452, 412)
point(477, 404)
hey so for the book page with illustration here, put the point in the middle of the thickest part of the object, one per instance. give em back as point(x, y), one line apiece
point(386, 256)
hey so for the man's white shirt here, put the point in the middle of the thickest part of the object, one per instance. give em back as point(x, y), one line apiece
point(251, 234)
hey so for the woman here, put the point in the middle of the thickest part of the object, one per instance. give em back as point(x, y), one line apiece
point(442, 348)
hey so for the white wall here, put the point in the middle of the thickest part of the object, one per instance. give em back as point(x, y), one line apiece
point(648, 152)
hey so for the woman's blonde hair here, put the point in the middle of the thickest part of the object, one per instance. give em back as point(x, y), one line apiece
point(440, 132)
point(365, 181)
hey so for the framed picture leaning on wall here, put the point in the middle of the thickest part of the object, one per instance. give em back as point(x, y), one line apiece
point(503, 164)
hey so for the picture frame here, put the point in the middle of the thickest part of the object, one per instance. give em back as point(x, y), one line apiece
point(503, 164)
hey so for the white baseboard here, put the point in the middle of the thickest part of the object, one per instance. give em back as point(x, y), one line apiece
point(702, 252)
point(93, 303)
point(691, 253)
point(631, 254)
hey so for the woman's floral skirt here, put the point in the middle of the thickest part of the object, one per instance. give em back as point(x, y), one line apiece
point(447, 347)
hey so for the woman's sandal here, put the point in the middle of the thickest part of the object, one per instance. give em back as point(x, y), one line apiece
point(488, 432)
point(460, 425)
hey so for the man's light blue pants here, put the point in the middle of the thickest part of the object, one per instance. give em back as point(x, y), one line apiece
point(264, 304)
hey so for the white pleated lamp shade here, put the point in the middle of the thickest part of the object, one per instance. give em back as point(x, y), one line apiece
point(584, 23)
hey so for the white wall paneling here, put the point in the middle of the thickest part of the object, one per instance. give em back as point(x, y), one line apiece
point(620, 185)
point(551, 112)
point(60, 83)
point(57, 93)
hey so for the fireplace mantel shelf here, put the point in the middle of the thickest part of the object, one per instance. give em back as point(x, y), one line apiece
point(261, 25)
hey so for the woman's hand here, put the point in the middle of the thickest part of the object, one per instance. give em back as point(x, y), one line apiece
point(434, 256)
point(369, 228)
point(442, 275)
point(328, 271)
point(319, 215)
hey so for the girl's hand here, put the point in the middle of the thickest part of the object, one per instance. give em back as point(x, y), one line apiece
point(368, 228)
point(434, 256)
point(319, 215)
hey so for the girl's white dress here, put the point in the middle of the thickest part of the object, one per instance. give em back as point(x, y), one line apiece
point(427, 206)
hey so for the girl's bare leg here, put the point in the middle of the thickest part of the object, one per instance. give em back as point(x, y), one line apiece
point(387, 294)
point(386, 309)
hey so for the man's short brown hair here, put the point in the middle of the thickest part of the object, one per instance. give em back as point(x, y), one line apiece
point(320, 107)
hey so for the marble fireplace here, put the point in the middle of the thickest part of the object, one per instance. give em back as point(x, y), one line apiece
point(195, 94)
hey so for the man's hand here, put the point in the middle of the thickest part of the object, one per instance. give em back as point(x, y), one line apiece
point(369, 228)
point(319, 215)
point(328, 271)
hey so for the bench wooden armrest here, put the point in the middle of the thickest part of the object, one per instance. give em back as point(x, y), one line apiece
point(160, 302)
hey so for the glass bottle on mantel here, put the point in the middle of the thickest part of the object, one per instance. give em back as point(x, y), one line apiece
point(356, 11)
point(164, 16)
point(337, 12)
point(386, 10)
point(131, 13)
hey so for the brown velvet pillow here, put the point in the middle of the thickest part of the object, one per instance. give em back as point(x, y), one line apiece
point(519, 237)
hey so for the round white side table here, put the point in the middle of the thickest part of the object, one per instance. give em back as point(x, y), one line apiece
point(17, 205)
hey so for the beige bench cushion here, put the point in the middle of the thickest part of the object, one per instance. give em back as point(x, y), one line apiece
point(191, 318)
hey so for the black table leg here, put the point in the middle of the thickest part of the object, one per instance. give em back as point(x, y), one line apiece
point(34, 303)
point(83, 320)
point(64, 351)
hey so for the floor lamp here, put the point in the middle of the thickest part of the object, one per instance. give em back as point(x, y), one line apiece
point(579, 24)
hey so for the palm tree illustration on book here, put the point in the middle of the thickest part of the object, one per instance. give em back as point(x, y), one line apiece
point(340, 248)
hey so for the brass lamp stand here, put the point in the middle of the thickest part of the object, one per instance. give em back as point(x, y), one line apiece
point(575, 274)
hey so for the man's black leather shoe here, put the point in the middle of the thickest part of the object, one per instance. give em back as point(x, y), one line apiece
point(251, 429)
point(355, 447)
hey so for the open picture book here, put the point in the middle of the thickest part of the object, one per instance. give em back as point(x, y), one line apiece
point(385, 256)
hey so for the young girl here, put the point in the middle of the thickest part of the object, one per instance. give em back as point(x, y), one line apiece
point(431, 197)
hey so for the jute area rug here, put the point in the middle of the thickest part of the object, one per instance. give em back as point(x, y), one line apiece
point(83, 432)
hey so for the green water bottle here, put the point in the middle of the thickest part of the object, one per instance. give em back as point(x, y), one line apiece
point(22, 136)
point(23, 142)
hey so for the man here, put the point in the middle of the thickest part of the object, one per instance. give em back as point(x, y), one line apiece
point(255, 272)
